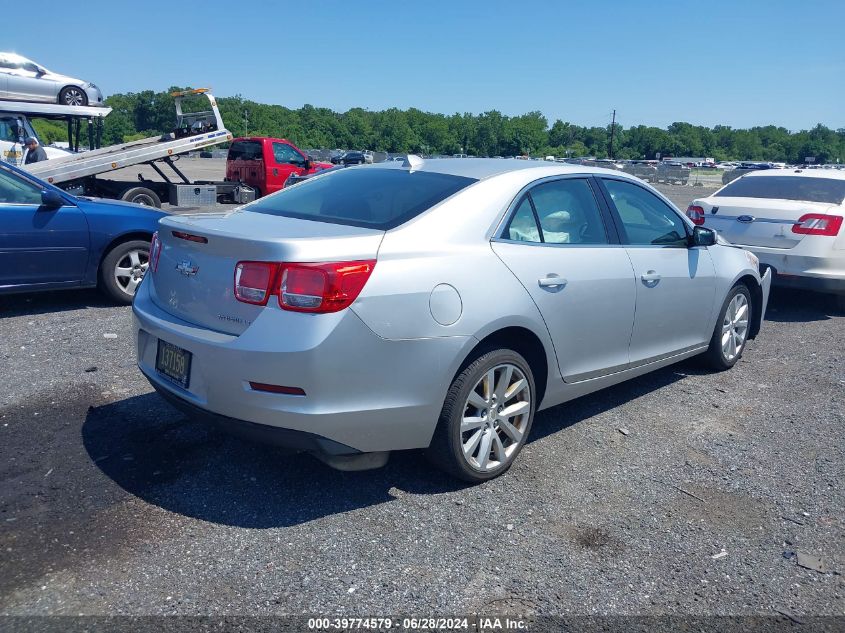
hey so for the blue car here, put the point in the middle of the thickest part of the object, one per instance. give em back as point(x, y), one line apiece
point(51, 240)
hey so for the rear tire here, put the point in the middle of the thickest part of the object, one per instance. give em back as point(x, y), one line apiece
point(486, 417)
point(730, 335)
point(142, 195)
point(122, 269)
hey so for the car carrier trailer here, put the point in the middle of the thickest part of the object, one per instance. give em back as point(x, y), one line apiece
point(83, 173)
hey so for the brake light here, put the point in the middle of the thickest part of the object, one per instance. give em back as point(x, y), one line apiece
point(155, 251)
point(818, 224)
point(253, 281)
point(324, 287)
point(696, 214)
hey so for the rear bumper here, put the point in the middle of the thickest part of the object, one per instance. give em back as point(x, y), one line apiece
point(809, 266)
point(260, 433)
point(363, 392)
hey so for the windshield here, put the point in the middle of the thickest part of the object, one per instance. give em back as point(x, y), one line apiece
point(371, 198)
point(805, 189)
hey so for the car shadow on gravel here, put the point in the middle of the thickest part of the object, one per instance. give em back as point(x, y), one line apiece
point(49, 302)
point(192, 468)
point(787, 305)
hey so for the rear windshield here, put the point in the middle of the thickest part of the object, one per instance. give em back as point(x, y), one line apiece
point(826, 190)
point(372, 198)
point(245, 150)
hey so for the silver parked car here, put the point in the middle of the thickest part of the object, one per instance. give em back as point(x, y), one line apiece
point(21, 79)
point(433, 304)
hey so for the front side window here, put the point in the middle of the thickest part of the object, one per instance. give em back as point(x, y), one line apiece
point(14, 190)
point(801, 188)
point(284, 154)
point(646, 219)
point(370, 198)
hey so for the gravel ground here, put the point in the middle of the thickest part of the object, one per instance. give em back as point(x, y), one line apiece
point(113, 503)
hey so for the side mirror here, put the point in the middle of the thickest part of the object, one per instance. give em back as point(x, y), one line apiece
point(307, 164)
point(51, 199)
point(702, 236)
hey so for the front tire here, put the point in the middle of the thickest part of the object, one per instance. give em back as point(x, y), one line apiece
point(123, 268)
point(731, 332)
point(486, 417)
point(73, 96)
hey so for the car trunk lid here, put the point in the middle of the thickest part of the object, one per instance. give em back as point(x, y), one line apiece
point(758, 221)
point(194, 278)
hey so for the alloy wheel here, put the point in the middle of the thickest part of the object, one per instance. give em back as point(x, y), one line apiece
point(495, 417)
point(130, 270)
point(735, 327)
point(74, 97)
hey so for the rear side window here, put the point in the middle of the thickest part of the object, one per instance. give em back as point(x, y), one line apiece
point(371, 198)
point(809, 189)
point(245, 150)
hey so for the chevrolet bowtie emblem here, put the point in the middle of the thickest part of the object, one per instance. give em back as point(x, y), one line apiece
point(187, 268)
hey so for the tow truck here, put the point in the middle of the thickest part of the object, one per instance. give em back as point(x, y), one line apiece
point(83, 173)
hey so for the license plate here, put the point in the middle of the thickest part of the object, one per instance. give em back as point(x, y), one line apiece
point(174, 363)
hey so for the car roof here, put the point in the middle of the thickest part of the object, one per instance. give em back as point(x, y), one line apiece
point(802, 173)
point(482, 168)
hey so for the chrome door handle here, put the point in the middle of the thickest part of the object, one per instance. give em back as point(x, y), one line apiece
point(552, 281)
point(650, 278)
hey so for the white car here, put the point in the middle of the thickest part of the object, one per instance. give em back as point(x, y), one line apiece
point(791, 219)
point(22, 79)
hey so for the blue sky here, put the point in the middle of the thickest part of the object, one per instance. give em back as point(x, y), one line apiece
point(739, 63)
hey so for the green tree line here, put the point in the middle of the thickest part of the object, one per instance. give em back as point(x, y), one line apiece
point(147, 113)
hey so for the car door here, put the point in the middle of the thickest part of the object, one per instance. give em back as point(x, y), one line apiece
point(675, 281)
point(559, 243)
point(24, 82)
point(286, 161)
point(39, 245)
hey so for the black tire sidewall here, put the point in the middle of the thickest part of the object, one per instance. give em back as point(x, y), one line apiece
point(107, 281)
point(136, 191)
point(64, 91)
point(453, 409)
point(717, 359)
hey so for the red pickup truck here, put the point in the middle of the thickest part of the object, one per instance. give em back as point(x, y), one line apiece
point(265, 163)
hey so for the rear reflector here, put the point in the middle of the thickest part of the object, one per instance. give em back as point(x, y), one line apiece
point(191, 238)
point(155, 251)
point(253, 281)
point(818, 224)
point(696, 214)
point(291, 391)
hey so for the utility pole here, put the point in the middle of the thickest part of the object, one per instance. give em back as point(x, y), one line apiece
point(612, 130)
point(246, 122)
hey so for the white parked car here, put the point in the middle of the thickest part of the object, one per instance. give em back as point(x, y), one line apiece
point(792, 220)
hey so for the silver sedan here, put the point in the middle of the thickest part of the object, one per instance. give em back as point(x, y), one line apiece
point(21, 79)
point(433, 304)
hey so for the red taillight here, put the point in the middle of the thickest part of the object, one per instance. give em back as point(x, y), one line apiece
point(323, 287)
point(253, 281)
point(155, 251)
point(328, 287)
point(818, 224)
point(696, 214)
